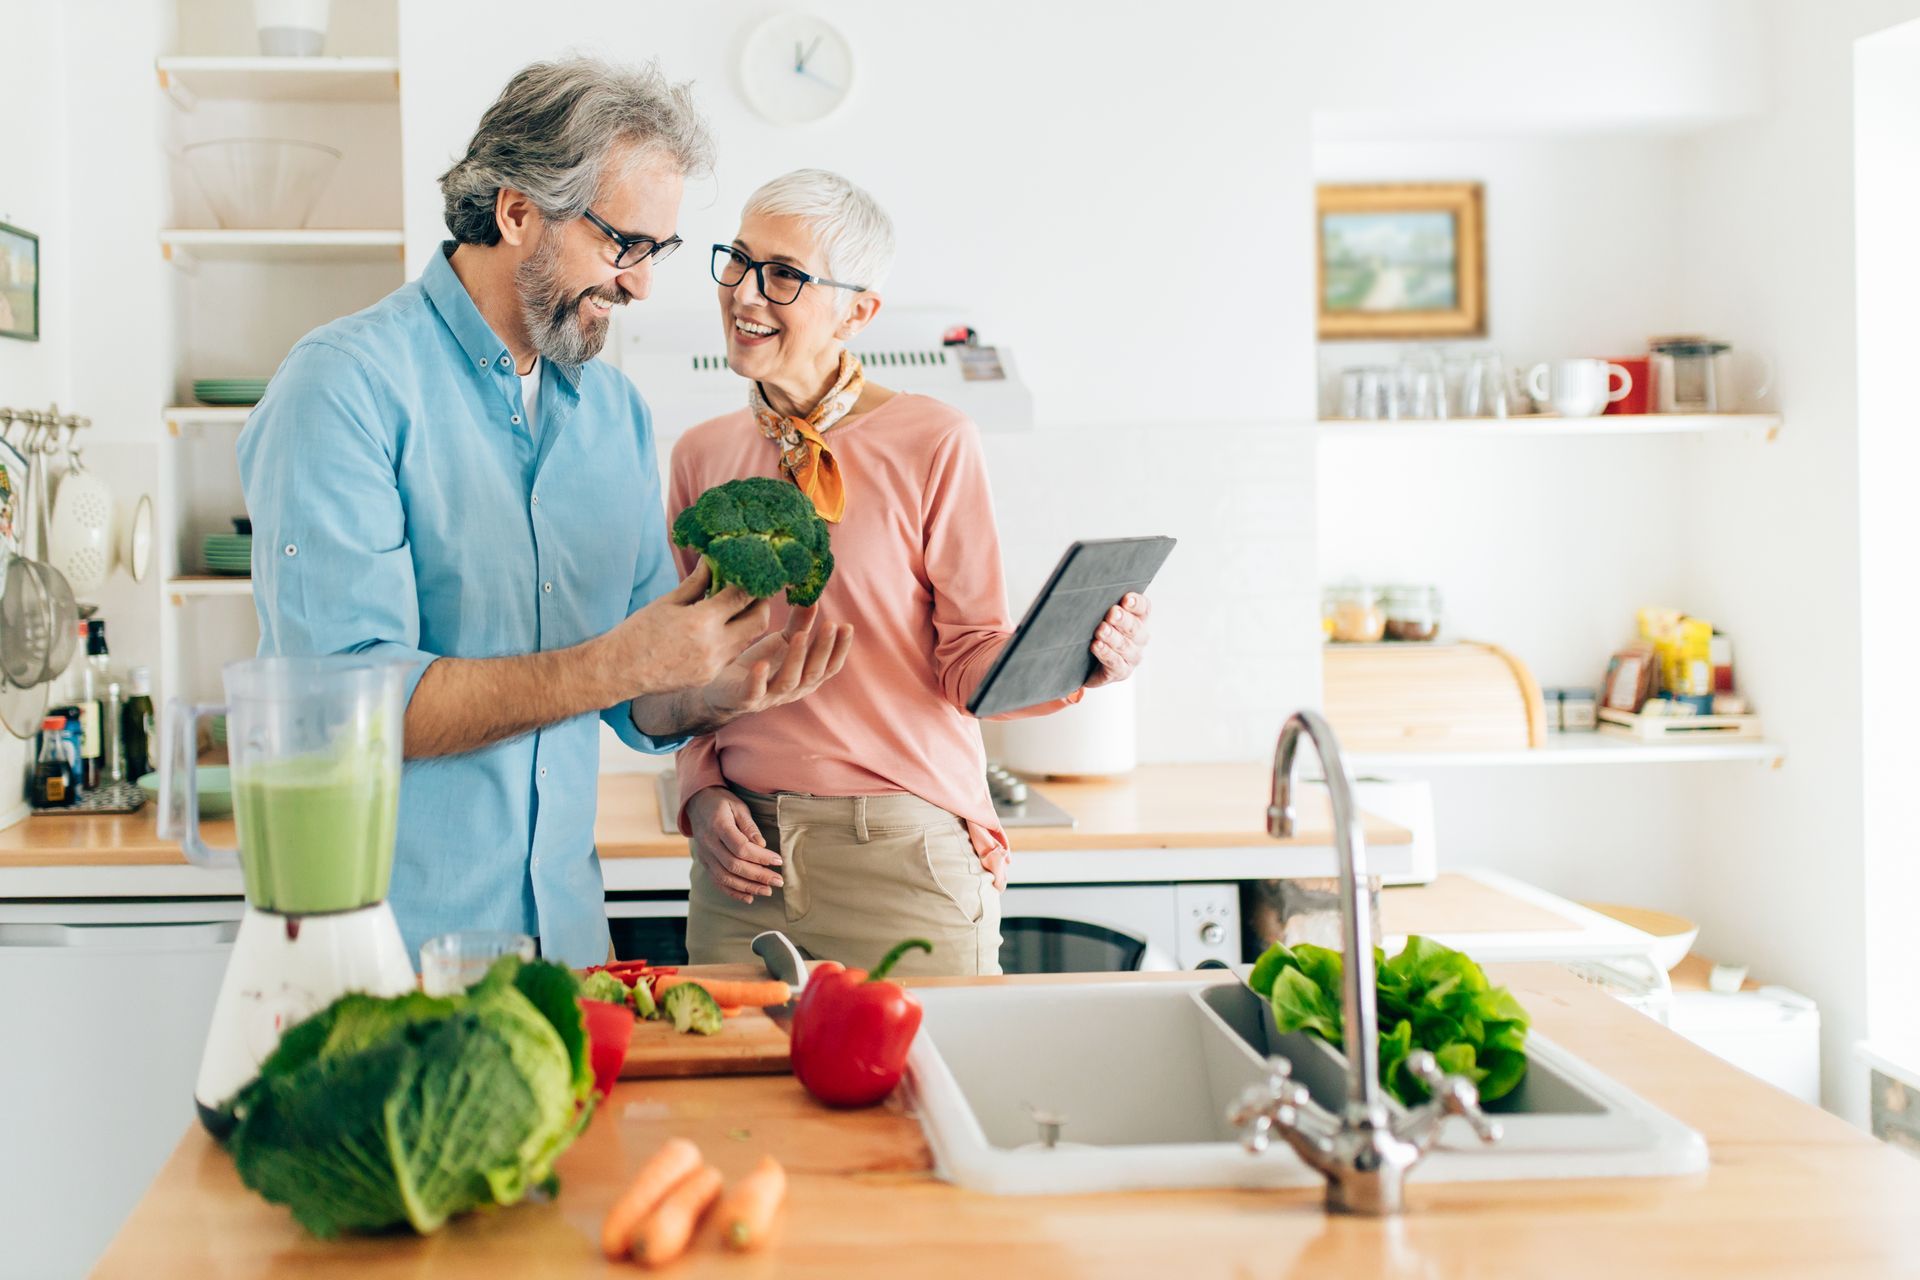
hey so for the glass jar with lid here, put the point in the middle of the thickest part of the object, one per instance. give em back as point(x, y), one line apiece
point(1411, 612)
point(1352, 614)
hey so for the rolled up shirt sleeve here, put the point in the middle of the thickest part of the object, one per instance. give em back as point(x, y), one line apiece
point(332, 568)
point(654, 574)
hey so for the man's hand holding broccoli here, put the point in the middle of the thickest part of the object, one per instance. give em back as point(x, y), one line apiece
point(757, 537)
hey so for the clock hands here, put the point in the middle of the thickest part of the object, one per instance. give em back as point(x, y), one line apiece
point(820, 80)
point(801, 55)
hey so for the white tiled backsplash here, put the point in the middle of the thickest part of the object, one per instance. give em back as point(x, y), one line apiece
point(1236, 637)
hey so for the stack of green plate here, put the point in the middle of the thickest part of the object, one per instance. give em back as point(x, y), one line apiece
point(228, 553)
point(229, 391)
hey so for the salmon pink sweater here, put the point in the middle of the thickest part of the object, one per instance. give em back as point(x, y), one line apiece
point(917, 573)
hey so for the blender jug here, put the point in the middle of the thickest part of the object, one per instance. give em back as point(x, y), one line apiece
point(314, 758)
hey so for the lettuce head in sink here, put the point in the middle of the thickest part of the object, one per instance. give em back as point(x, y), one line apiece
point(1429, 997)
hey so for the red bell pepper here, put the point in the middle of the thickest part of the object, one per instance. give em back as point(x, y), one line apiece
point(851, 1031)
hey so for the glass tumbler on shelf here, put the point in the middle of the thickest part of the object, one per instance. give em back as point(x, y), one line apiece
point(1369, 392)
point(452, 962)
point(1411, 612)
point(1483, 387)
point(1423, 385)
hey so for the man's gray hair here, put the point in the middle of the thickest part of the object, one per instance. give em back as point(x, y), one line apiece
point(854, 232)
point(552, 132)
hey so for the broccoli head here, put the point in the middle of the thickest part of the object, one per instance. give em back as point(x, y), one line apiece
point(761, 534)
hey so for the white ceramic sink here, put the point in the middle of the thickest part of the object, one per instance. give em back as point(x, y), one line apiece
point(1142, 1076)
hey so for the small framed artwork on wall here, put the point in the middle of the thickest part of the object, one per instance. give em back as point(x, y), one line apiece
point(1402, 260)
point(19, 284)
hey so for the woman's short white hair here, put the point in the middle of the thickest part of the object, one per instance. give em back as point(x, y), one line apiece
point(854, 232)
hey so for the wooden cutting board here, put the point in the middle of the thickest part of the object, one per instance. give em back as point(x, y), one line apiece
point(749, 1044)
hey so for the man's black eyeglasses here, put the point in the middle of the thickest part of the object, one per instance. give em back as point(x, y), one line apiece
point(780, 282)
point(634, 250)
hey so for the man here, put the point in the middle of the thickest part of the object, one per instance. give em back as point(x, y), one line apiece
point(450, 480)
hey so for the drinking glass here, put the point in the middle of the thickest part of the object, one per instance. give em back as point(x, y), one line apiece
point(452, 962)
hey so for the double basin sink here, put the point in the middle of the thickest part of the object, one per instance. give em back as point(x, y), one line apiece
point(1054, 1089)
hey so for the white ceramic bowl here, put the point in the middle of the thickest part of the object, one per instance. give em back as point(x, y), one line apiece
point(261, 183)
point(1673, 935)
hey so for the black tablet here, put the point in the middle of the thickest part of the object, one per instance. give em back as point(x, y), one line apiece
point(1048, 656)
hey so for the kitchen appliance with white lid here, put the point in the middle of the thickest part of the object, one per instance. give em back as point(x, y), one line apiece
point(314, 750)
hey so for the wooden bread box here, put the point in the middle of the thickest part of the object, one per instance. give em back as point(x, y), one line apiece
point(1463, 696)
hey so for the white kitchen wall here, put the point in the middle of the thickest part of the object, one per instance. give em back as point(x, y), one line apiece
point(1887, 190)
point(1779, 860)
point(33, 197)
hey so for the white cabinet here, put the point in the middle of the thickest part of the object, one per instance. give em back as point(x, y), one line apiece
point(103, 1010)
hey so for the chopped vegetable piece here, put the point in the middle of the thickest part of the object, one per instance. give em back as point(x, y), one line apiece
point(692, 1009)
point(741, 994)
point(604, 986)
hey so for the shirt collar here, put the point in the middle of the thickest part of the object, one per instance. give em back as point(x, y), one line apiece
point(469, 328)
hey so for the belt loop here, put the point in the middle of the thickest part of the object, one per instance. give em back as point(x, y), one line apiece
point(860, 818)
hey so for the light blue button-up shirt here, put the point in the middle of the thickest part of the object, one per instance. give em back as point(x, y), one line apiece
point(403, 509)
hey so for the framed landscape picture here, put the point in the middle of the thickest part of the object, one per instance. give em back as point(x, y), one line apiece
point(19, 284)
point(1401, 260)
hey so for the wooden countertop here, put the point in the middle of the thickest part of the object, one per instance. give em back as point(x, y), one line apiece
point(1792, 1193)
point(1159, 807)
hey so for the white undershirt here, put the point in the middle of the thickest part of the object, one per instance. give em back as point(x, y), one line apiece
point(530, 398)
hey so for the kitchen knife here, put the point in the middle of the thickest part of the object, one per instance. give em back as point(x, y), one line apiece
point(786, 963)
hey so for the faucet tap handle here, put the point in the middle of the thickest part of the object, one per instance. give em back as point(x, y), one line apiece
point(1281, 1102)
point(1253, 1117)
point(1451, 1096)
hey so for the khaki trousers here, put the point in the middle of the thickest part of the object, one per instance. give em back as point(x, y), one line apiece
point(861, 873)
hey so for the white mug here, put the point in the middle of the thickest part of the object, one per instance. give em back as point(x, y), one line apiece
point(1578, 388)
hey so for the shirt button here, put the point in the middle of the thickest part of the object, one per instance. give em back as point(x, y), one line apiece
point(483, 364)
point(292, 550)
point(516, 419)
point(536, 499)
point(543, 771)
point(546, 586)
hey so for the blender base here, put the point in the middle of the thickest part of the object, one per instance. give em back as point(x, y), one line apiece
point(284, 968)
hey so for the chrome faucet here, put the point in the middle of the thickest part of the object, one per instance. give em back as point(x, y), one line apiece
point(1364, 1153)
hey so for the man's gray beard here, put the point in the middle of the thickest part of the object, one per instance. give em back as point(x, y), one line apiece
point(553, 315)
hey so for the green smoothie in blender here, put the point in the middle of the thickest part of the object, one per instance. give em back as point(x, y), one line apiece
point(316, 831)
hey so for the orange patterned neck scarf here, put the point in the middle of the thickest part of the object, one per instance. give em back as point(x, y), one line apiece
point(804, 454)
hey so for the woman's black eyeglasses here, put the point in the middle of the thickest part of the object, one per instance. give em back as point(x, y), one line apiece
point(634, 250)
point(780, 283)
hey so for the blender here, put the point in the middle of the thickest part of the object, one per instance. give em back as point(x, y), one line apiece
point(314, 759)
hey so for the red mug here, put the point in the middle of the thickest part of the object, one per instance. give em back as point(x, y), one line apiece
point(1639, 397)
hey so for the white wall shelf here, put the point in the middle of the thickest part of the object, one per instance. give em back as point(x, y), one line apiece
point(182, 246)
point(188, 81)
point(197, 586)
point(1575, 749)
point(191, 415)
point(1764, 425)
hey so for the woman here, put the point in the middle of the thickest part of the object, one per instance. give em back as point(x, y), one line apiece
point(860, 815)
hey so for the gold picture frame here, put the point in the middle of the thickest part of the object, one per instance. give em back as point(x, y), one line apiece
point(1400, 260)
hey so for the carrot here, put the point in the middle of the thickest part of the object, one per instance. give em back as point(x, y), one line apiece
point(746, 1215)
point(666, 1232)
point(676, 1159)
point(725, 993)
point(729, 1010)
